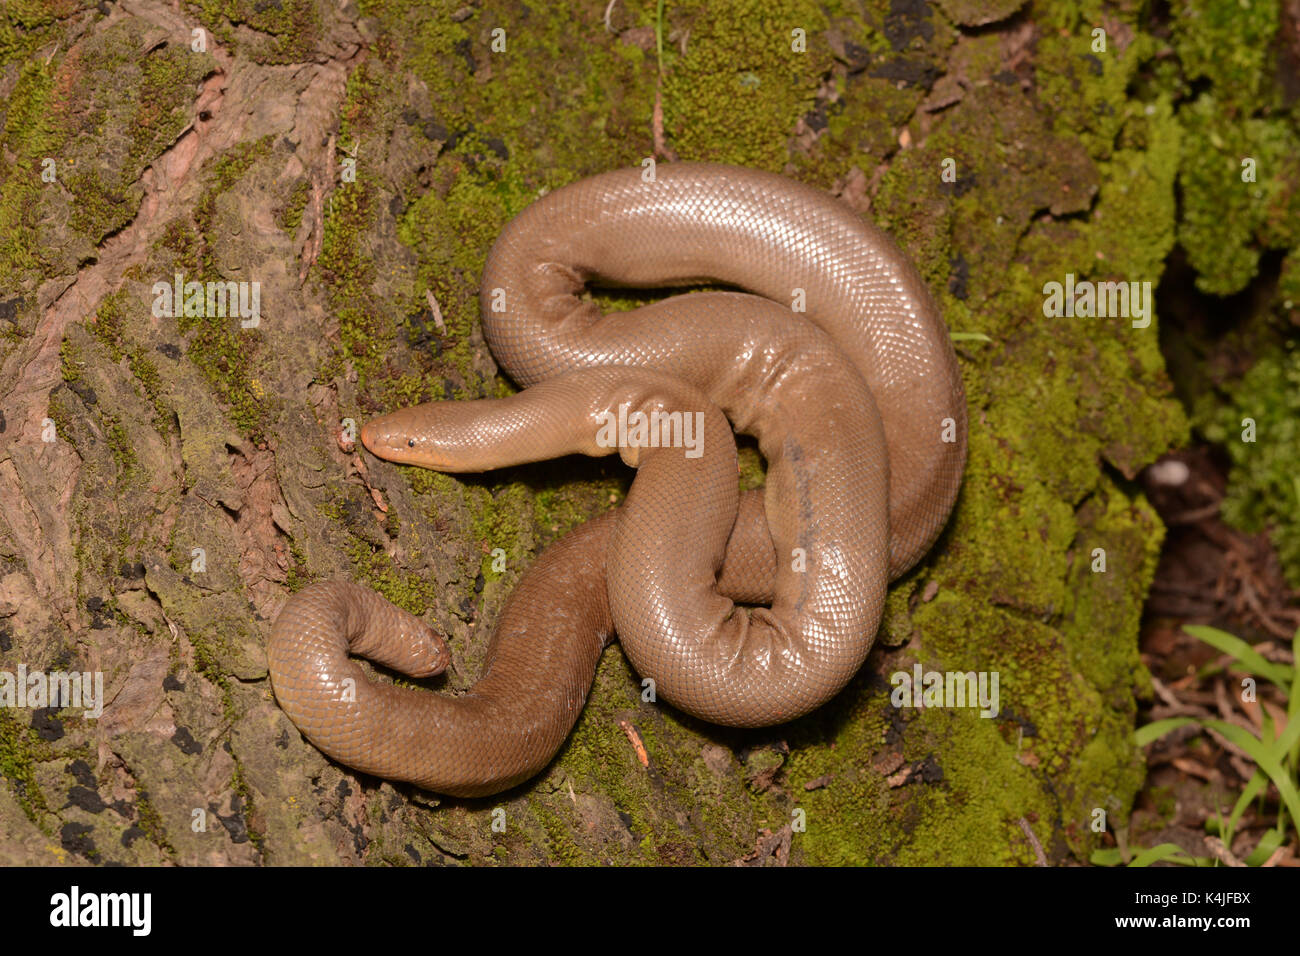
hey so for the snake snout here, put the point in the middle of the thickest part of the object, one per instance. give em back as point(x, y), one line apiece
point(383, 440)
point(368, 436)
point(375, 437)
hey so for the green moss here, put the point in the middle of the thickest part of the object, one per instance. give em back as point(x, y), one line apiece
point(1263, 486)
point(20, 750)
point(109, 321)
point(753, 473)
point(70, 362)
point(31, 135)
point(961, 820)
point(559, 509)
point(223, 351)
point(164, 101)
point(124, 457)
point(282, 31)
point(247, 810)
point(1229, 43)
point(150, 821)
point(299, 574)
point(346, 266)
point(1087, 91)
point(365, 330)
point(558, 828)
point(99, 113)
point(599, 759)
point(291, 214)
point(232, 165)
point(1288, 284)
point(227, 170)
point(603, 90)
point(722, 106)
point(145, 98)
point(181, 242)
point(1061, 637)
point(453, 233)
point(225, 356)
point(26, 25)
point(408, 590)
point(452, 225)
point(498, 521)
point(1103, 609)
point(1131, 228)
point(424, 482)
point(146, 373)
point(855, 792)
point(109, 324)
point(61, 415)
point(333, 506)
point(1226, 221)
point(31, 128)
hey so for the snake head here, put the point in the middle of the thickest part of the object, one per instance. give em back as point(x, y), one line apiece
point(456, 436)
point(405, 436)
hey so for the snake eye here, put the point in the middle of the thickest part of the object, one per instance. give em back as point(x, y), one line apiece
point(410, 443)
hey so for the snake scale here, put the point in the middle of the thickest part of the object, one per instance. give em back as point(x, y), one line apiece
point(834, 357)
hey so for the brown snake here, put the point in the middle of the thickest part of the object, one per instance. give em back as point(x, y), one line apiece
point(853, 498)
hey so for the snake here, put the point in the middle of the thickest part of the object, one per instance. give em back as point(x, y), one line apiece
point(815, 335)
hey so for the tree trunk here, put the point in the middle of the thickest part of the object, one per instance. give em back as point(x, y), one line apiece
point(170, 477)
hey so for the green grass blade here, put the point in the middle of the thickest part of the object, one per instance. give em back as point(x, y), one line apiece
point(1165, 851)
point(1262, 754)
point(1264, 849)
point(1154, 731)
point(1293, 702)
point(1253, 789)
point(1282, 746)
point(1250, 658)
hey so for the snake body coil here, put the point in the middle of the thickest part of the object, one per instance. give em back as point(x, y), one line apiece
point(838, 363)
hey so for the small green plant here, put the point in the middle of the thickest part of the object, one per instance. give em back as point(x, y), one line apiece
point(1263, 491)
point(1276, 756)
point(1171, 852)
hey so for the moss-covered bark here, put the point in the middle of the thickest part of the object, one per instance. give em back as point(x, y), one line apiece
point(354, 161)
